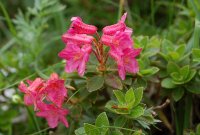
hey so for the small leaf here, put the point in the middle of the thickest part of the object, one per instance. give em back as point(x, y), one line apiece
point(184, 71)
point(95, 83)
point(130, 98)
point(120, 121)
point(181, 49)
point(149, 71)
point(193, 87)
point(172, 67)
point(113, 81)
point(167, 83)
point(91, 129)
point(138, 132)
point(80, 131)
point(138, 95)
point(196, 54)
point(174, 55)
point(113, 107)
point(102, 120)
point(177, 94)
point(136, 112)
point(120, 96)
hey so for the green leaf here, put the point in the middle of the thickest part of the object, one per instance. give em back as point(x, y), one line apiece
point(167, 83)
point(138, 95)
point(174, 55)
point(113, 81)
point(149, 71)
point(177, 94)
point(120, 96)
point(110, 106)
point(191, 75)
point(138, 132)
point(102, 120)
point(177, 77)
point(91, 129)
point(181, 50)
point(116, 132)
point(95, 83)
point(130, 98)
point(120, 121)
point(193, 87)
point(196, 54)
point(184, 71)
point(80, 131)
point(198, 128)
point(137, 112)
point(172, 67)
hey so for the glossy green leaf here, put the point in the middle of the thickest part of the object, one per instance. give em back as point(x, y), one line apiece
point(149, 71)
point(120, 96)
point(138, 96)
point(113, 107)
point(168, 83)
point(130, 98)
point(196, 54)
point(172, 67)
point(95, 83)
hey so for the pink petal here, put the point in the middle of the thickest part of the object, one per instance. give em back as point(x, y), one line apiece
point(64, 121)
point(121, 71)
point(22, 87)
point(28, 99)
point(82, 28)
point(71, 66)
point(123, 18)
point(132, 67)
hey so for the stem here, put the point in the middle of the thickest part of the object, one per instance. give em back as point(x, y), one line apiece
point(34, 119)
point(121, 3)
point(188, 109)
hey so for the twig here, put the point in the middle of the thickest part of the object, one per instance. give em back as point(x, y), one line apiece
point(162, 105)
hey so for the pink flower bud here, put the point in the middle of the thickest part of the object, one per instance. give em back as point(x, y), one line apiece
point(79, 39)
point(82, 28)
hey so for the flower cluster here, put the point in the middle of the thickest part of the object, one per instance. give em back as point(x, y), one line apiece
point(79, 46)
point(47, 98)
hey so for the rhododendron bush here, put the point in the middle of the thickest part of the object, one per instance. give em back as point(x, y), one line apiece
point(81, 70)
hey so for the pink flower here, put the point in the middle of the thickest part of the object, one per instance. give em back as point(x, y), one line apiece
point(32, 92)
point(81, 28)
point(79, 39)
point(126, 61)
point(53, 115)
point(119, 41)
point(120, 26)
point(55, 90)
point(76, 58)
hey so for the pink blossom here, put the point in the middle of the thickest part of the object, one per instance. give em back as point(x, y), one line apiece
point(79, 39)
point(32, 92)
point(55, 90)
point(120, 40)
point(120, 26)
point(82, 28)
point(76, 58)
point(53, 114)
point(126, 61)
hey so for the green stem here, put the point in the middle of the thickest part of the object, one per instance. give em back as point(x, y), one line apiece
point(188, 108)
point(34, 119)
point(121, 3)
point(8, 20)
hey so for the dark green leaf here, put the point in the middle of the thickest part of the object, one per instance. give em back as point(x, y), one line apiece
point(167, 83)
point(130, 98)
point(95, 83)
point(172, 67)
point(80, 131)
point(120, 121)
point(177, 93)
point(113, 81)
